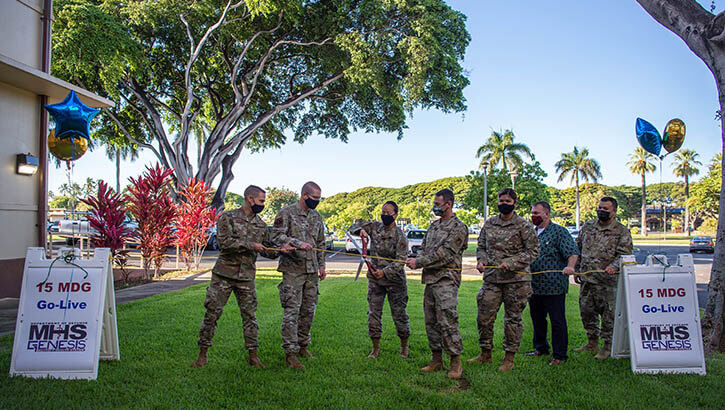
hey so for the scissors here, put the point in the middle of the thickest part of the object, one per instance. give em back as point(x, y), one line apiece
point(363, 253)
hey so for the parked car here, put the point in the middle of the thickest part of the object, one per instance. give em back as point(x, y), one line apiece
point(329, 239)
point(212, 244)
point(574, 233)
point(702, 244)
point(415, 241)
point(54, 226)
point(349, 246)
point(475, 230)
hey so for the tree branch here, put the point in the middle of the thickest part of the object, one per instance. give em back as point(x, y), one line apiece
point(687, 19)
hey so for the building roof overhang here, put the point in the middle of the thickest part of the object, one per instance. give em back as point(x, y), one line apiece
point(25, 77)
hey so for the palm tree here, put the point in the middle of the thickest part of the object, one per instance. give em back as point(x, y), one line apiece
point(118, 153)
point(501, 148)
point(685, 161)
point(640, 164)
point(581, 167)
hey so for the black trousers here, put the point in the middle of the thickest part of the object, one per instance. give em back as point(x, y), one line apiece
point(555, 306)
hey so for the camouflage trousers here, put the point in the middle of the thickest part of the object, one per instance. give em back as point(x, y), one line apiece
point(595, 301)
point(217, 295)
point(514, 296)
point(440, 304)
point(398, 301)
point(298, 294)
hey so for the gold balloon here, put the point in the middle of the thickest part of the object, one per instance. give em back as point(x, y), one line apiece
point(674, 135)
point(66, 149)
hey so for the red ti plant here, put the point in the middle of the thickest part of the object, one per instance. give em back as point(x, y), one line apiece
point(152, 208)
point(106, 216)
point(194, 218)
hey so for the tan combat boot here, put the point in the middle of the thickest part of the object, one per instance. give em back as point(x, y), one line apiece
point(484, 357)
point(404, 347)
point(456, 368)
point(305, 353)
point(254, 360)
point(508, 362)
point(592, 345)
point(605, 352)
point(376, 348)
point(201, 359)
point(293, 362)
point(436, 363)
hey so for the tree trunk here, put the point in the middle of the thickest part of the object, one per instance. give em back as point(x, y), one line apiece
point(714, 319)
point(644, 207)
point(578, 210)
point(198, 152)
point(118, 170)
point(687, 204)
point(704, 34)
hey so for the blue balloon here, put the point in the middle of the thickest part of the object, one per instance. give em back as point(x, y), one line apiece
point(72, 117)
point(648, 137)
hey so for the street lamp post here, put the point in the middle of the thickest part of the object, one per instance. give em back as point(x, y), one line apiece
point(484, 165)
point(513, 174)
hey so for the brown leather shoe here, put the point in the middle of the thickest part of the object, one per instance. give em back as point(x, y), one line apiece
point(592, 346)
point(201, 359)
point(404, 347)
point(435, 364)
point(456, 368)
point(254, 360)
point(484, 357)
point(605, 352)
point(305, 353)
point(293, 362)
point(508, 362)
point(556, 362)
point(376, 348)
point(535, 353)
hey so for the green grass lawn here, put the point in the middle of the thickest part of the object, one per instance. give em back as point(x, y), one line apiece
point(158, 343)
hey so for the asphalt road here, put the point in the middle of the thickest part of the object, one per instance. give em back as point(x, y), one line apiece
point(703, 263)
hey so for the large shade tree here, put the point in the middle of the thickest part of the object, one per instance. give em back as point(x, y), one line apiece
point(258, 71)
point(640, 163)
point(501, 150)
point(704, 33)
point(685, 165)
point(581, 167)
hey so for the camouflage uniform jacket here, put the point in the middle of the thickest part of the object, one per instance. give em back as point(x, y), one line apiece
point(441, 254)
point(236, 232)
point(514, 242)
point(295, 225)
point(601, 246)
point(387, 243)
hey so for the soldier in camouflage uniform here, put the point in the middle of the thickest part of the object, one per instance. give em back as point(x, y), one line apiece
point(241, 235)
point(388, 278)
point(302, 227)
point(508, 242)
point(602, 242)
point(441, 257)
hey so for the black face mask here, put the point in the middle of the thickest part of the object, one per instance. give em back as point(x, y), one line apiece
point(311, 203)
point(257, 208)
point(505, 208)
point(387, 219)
point(602, 215)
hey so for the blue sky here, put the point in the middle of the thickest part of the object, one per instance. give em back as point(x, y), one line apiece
point(559, 74)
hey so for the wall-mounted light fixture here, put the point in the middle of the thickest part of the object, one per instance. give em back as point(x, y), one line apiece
point(27, 164)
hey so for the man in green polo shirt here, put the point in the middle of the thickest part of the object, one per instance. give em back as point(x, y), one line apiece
point(557, 252)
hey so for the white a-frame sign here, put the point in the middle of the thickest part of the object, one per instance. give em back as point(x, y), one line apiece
point(657, 320)
point(67, 316)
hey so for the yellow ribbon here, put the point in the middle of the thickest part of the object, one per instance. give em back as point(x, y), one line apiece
point(403, 261)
